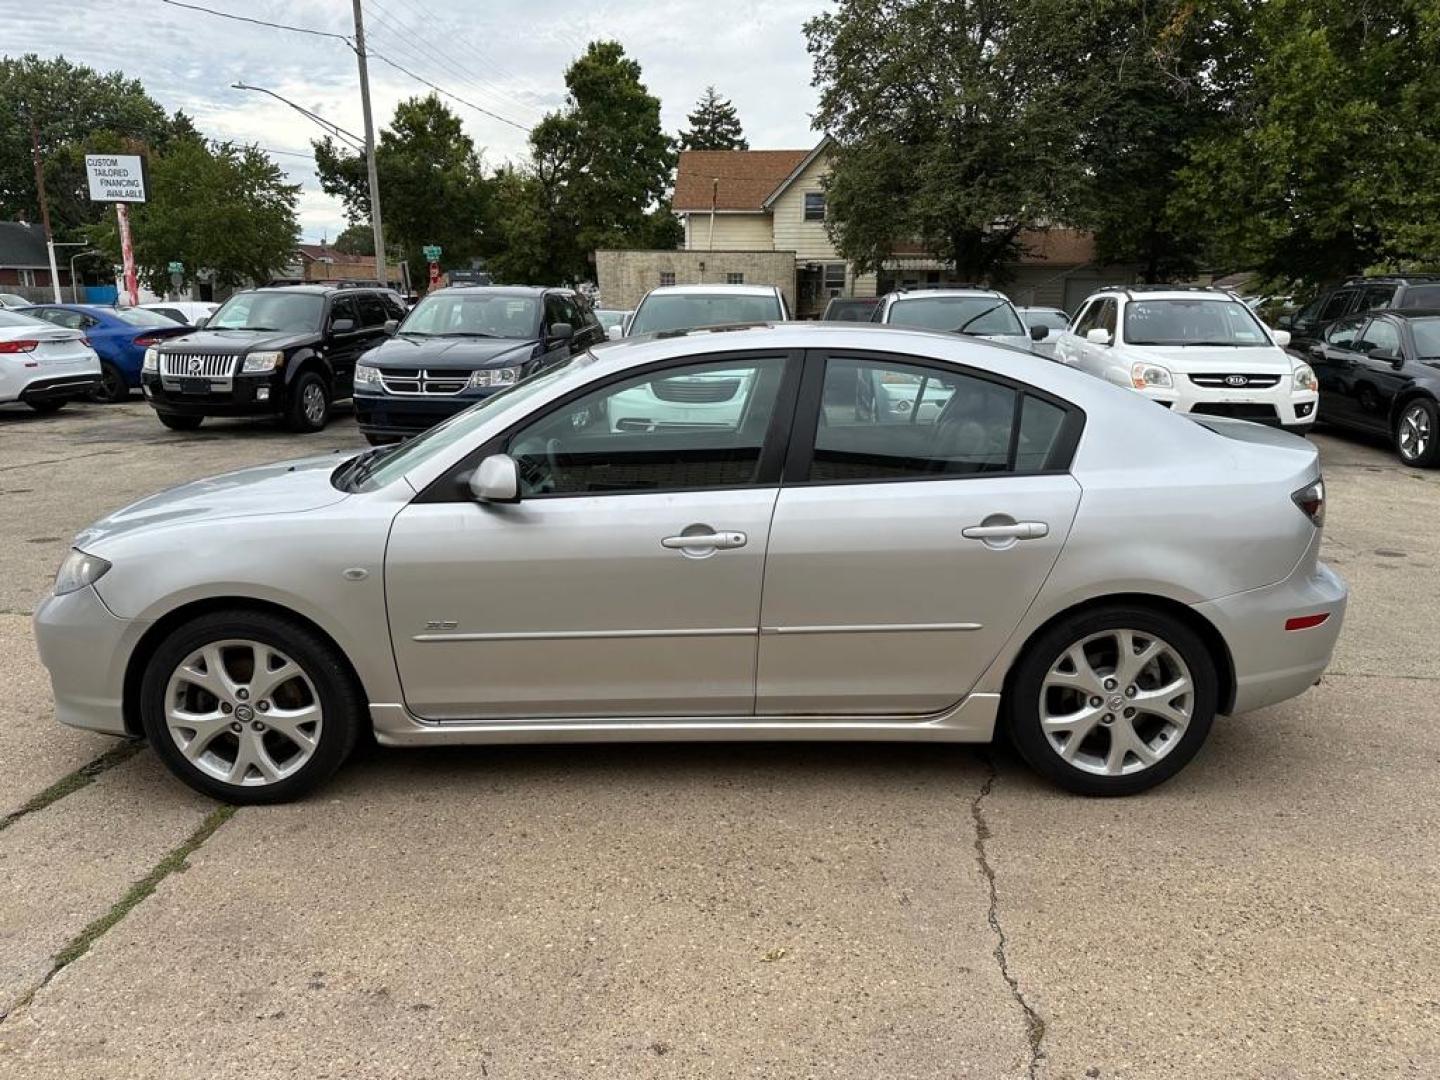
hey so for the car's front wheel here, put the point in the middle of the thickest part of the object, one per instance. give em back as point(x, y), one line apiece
point(1417, 433)
point(1112, 701)
point(249, 707)
point(309, 403)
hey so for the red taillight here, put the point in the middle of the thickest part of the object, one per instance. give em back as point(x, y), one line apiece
point(85, 341)
point(1305, 622)
point(1311, 501)
point(145, 341)
point(18, 346)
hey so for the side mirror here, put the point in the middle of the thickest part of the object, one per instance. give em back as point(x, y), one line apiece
point(341, 326)
point(497, 480)
point(201, 321)
point(615, 333)
point(1039, 333)
point(1098, 336)
point(1285, 322)
point(1282, 337)
point(561, 331)
point(391, 325)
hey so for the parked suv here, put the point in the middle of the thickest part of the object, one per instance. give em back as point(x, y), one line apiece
point(690, 307)
point(286, 352)
point(1200, 351)
point(1358, 295)
point(968, 310)
point(462, 344)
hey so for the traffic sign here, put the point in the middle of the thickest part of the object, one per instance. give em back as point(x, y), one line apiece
point(177, 268)
point(431, 252)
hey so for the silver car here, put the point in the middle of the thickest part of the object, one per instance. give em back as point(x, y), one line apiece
point(967, 309)
point(861, 533)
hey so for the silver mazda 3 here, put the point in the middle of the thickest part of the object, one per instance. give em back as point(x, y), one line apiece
point(800, 531)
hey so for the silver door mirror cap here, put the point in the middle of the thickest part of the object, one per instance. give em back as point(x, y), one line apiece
point(1098, 336)
point(497, 480)
point(1281, 337)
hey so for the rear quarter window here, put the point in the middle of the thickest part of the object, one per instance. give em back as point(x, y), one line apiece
point(1421, 296)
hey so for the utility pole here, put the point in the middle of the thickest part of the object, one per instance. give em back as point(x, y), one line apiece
point(45, 206)
point(370, 147)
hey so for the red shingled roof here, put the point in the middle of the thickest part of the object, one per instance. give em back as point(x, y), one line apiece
point(746, 177)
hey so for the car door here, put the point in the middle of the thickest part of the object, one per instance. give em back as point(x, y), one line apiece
point(1336, 365)
point(1380, 363)
point(343, 347)
point(625, 582)
point(907, 543)
point(1070, 343)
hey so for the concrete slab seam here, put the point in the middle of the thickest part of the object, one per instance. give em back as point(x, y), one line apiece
point(74, 781)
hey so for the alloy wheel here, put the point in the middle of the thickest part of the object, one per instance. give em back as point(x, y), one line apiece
point(243, 712)
point(313, 402)
point(1116, 702)
point(1414, 432)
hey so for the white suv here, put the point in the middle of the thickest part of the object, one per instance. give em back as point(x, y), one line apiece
point(1194, 350)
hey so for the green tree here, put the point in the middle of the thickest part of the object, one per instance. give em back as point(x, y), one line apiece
point(714, 125)
point(952, 124)
point(1327, 159)
point(432, 185)
point(76, 111)
point(220, 209)
point(357, 239)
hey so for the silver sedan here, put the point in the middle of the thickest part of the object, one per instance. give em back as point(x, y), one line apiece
point(802, 531)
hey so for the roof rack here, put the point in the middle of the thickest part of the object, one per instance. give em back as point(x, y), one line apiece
point(1361, 279)
point(931, 286)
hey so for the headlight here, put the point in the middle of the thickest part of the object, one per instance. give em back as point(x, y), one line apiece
point(151, 361)
point(1144, 375)
point(259, 362)
point(1305, 378)
point(79, 570)
point(500, 376)
point(365, 375)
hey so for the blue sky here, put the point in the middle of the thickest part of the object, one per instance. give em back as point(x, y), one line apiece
point(506, 56)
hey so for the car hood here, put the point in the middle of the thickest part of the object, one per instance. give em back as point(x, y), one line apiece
point(1212, 360)
point(287, 487)
point(236, 341)
point(458, 353)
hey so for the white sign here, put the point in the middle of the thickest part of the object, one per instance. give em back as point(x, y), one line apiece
point(116, 177)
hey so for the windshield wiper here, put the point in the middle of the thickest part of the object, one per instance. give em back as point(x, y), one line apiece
point(964, 328)
point(467, 333)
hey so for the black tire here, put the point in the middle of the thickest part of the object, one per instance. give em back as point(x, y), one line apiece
point(46, 406)
point(300, 412)
point(179, 422)
point(1023, 698)
point(112, 388)
point(1428, 456)
point(339, 697)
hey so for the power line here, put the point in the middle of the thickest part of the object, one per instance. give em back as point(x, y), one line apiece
point(259, 22)
point(355, 141)
point(447, 93)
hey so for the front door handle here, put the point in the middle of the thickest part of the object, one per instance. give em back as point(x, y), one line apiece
point(1019, 530)
point(711, 541)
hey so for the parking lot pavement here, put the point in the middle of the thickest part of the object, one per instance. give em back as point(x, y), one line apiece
point(761, 910)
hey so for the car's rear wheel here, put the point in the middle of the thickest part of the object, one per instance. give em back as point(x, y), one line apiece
point(1113, 701)
point(248, 707)
point(308, 408)
point(177, 422)
point(112, 387)
point(1417, 433)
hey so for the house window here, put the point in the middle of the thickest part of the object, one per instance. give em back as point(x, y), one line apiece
point(667, 277)
point(834, 279)
point(27, 279)
point(814, 206)
point(734, 278)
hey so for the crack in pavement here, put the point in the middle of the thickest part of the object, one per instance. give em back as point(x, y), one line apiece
point(1034, 1023)
point(1378, 675)
point(72, 782)
point(174, 861)
point(58, 461)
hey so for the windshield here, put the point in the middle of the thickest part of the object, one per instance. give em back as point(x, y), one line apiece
point(269, 311)
point(380, 466)
point(477, 314)
point(957, 314)
point(1427, 338)
point(143, 317)
point(850, 310)
point(1051, 320)
point(1192, 322)
point(685, 311)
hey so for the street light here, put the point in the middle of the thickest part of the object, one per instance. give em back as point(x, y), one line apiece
point(74, 287)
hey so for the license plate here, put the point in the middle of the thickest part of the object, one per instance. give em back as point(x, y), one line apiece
point(195, 386)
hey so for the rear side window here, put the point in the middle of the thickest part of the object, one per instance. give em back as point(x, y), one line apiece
point(1337, 305)
point(1421, 296)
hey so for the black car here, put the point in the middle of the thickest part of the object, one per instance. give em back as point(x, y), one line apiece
point(461, 344)
point(287, 352)
point(1380, 372)
point(850, 309)
point(1356, 296)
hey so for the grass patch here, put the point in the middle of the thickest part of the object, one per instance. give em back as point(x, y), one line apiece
point(82, 777)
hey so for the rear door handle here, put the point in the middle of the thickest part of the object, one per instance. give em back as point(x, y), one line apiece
point(715, 541)
point(1019, 530)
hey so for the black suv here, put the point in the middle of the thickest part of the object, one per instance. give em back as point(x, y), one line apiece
point(1357, 295)
point(462, 344)
point(287, 352)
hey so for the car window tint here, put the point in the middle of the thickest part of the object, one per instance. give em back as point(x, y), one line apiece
point(1376, 296)
point(1342, 334)
point(343, 307)
point(1337, 305)
point(1421, 296)
point(698, 426)
point(394, 308)
point(1107, 315)
point(372, 310)
point(1380, 336)
point(1426, 333)
point(882, 420)
point(1088, 315)
point(1040, 426)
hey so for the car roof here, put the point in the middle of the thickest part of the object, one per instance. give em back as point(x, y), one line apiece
point(1053, 310)
point(1168, 294)
point(1404, 313)
point(959, 290)
point(709, 290)
point(317, 290)
point(503, 290)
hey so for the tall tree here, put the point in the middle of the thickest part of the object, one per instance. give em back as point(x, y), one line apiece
point(714, 125)
point(951, 124)
point(356, 239)
point(598, 174)
point(222, 210)
point(432, 184)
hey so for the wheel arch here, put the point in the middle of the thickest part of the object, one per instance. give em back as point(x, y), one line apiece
point(308, 360)
point(1214, 641)
point(159, 630)
point(1405, 397)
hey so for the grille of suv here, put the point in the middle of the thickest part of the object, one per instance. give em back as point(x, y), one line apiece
point(416, 381)
point(1243, 381)
point(198, 365)
point(695, 391)
point(1262, 414)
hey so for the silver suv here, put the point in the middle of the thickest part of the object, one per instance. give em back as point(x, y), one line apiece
point(968, 310)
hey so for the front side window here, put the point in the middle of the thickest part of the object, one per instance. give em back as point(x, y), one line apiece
point(1337, 305)
point(473, 314)
point(1381, 336)
point(695, 426)
point(1427, 338)
point(883, 420)
point(686, 311)
point(297, 312)
point(1421, 296)
point(1192, 322)
point(814, 206)
point(343, 307)
point(974, 315)
point(1342, 334)
point(372, 310)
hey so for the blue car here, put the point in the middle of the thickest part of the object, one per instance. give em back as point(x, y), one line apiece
point(119, 336)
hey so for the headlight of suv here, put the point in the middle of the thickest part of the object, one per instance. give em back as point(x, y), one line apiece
point(365, 375)
point(151, 361)
point(1305, 378)
point(257, 363)
point(1144, 375)
point(500, 376)
point(79, 570)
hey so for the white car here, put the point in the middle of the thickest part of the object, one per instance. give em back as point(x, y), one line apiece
point(689, 307)
point(44, 365)
point(187, 312)
point(1053, 321)
point(1200, 351)
point(969, 310)
point(10, 299)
